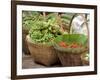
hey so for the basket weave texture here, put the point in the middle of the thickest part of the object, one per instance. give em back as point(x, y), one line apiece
point(69, 59)
point(43, 54)
point(71, 56)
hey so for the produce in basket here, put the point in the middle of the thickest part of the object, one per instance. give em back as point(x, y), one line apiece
point(73, 43)
point(70, 47)
point(41, 53)
point(45, 31)
point(40, 41)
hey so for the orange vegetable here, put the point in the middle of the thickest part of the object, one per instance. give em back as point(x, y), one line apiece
point(63, 44)
point(74, 45)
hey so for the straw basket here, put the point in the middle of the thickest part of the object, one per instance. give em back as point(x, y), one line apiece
point(43, 54)
point(72, 56)
point(68, 59)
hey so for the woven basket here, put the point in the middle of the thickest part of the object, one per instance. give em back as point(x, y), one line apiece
point(24, 43)
point(70, 57)
point(43, 54)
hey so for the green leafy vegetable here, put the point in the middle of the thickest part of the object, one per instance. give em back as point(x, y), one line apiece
point(72, 38)
point(44, 32)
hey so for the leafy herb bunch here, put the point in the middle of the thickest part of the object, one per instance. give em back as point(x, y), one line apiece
point(44, 31)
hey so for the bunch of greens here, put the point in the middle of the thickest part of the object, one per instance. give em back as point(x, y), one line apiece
point(71, 43)
point(72, 38)
point(44, 31)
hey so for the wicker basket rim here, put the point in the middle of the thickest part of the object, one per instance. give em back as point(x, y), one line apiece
point(69, 50)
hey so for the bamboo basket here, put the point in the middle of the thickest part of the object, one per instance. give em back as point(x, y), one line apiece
point(72, 57)
point(42, 54)
point(68, 59)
